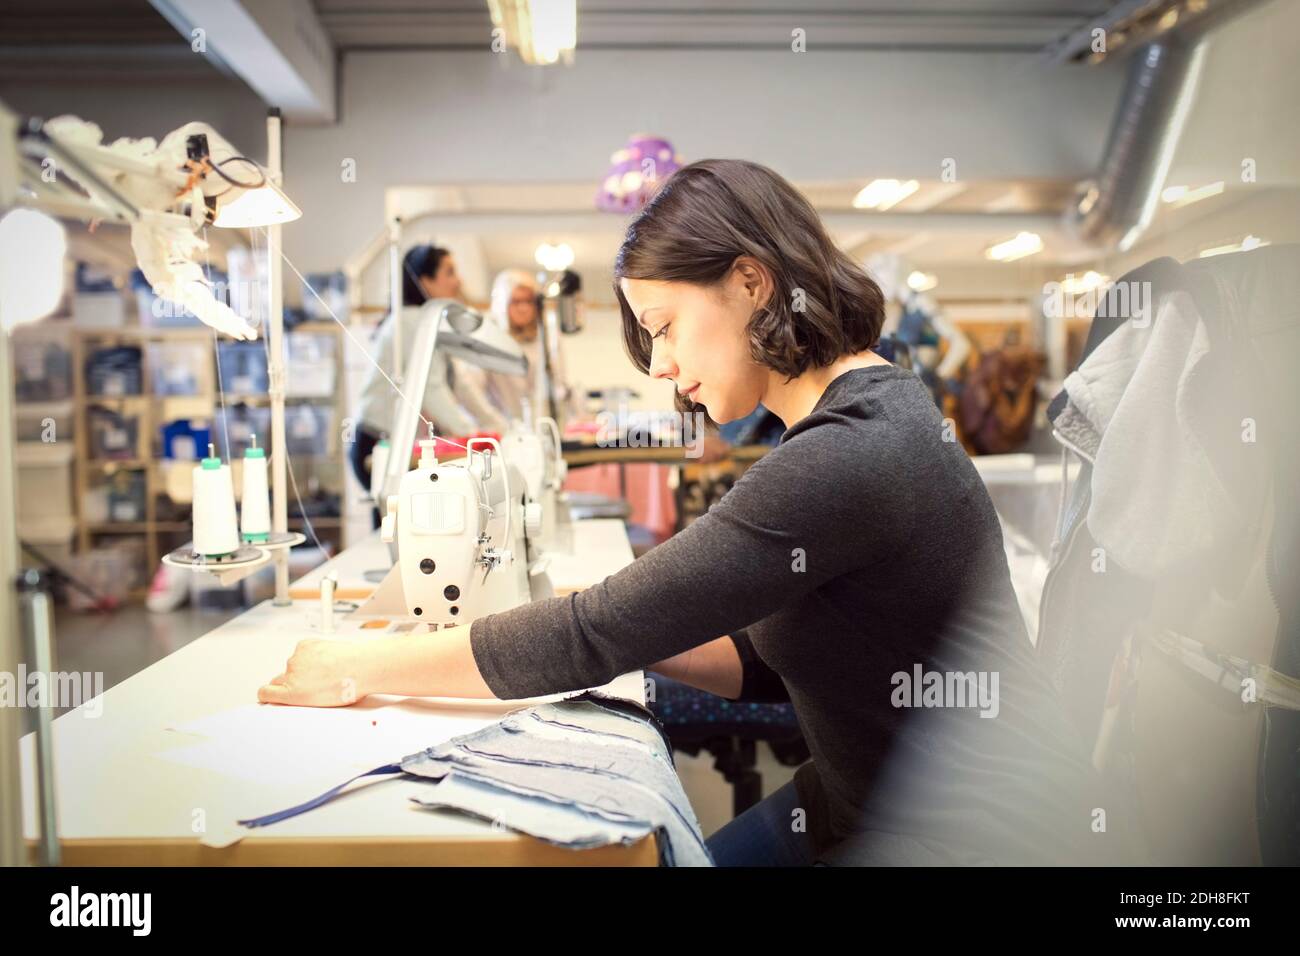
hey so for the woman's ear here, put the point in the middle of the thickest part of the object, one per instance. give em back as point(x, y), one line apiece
point(755, 280)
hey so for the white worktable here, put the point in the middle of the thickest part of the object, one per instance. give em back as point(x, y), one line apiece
point(123, 800)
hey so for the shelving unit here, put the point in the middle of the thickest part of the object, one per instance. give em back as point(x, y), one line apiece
point(163, 532)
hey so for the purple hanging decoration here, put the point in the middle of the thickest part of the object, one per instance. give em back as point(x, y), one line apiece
point(635, 172)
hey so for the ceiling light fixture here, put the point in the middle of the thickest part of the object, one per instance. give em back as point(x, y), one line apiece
point(1021, 245)
point(882, 194)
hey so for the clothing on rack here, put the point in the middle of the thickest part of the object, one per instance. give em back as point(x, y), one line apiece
point(1180, 414)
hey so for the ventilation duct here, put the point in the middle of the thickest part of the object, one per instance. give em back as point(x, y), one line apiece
point(1166, 42)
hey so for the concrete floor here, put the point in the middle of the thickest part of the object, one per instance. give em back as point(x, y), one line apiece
point(127, 641)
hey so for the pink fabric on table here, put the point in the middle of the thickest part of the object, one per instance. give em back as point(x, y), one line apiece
point(648, 493)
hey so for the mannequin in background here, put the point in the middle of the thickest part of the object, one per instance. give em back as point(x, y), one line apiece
point(453, 400)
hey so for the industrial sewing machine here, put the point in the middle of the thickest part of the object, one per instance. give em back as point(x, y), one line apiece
point(538, 455)
point(461, 537)
point(473, 534)
point(464, 534)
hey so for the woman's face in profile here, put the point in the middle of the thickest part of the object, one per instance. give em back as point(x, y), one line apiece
point(445, 283)
point(698, 341)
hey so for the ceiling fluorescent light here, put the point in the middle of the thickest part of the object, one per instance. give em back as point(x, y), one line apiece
point(1183, 196)
point(882, 194)
point(1246, 244)
point(1023, 244)
point(543, 31)
point(1075, 285)
point(554, 258)
point(919, 281)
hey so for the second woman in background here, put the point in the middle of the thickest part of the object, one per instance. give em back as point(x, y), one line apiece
point(453, 400)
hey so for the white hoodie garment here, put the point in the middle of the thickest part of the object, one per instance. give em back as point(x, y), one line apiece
point(1139, 411)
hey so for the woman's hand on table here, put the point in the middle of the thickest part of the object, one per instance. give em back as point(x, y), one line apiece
point(320, 674)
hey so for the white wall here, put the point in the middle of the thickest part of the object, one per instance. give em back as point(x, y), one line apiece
point(445, 117)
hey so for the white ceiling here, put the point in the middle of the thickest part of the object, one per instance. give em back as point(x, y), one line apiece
point(941, 224)
point(73, 51)
point(1022, 25)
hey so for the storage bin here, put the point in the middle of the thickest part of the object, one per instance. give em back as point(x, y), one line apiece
point(311, 364)
point(126, 497)
point(115, 371)
point(181, 368)
point(243, 368)
point(241, 422)
point(186, 440)
point(113, 436)
point(307, 429)
point(42, 368)
point(332, 288)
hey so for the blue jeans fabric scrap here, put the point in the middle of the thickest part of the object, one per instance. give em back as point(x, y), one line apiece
point(584, 772)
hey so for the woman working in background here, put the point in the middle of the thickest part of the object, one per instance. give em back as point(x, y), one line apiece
point(516, 308)
point(453, 400)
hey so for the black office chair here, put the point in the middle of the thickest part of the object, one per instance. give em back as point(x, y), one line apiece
point(730, 731)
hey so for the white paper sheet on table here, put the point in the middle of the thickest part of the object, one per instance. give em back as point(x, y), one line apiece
point(273, 744)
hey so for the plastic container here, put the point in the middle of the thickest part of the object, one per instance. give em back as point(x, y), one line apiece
point(241, 422)
point(126, 497)
point(113, 436)
point(307, 429)
point(332, 288)
point(243, 368)
point(115, 371)
point(181, 368)
point(311, 364)
point(185, 440)
point(42, 367)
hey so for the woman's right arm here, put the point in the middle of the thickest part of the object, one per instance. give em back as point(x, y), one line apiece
point(791, 523)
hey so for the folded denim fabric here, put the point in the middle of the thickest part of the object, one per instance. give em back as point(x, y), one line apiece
point(555, 821)
point(584, 772)
point(582, 753)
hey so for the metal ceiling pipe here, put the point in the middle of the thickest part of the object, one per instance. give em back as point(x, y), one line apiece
point(1116, 207)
